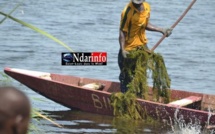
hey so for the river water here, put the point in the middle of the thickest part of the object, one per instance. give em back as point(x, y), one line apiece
point(92, 25)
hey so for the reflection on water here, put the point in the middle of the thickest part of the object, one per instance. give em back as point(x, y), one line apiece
point(88, 26)
point(81, 122)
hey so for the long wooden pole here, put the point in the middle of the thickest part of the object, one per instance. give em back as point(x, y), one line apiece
point(173, 26)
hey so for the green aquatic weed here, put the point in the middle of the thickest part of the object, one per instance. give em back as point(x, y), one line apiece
point(136, 66)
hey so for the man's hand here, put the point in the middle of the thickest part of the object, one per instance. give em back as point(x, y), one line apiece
point(124, 53)
point(167, 31)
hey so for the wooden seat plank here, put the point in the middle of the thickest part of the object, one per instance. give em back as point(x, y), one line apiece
point(185, 101)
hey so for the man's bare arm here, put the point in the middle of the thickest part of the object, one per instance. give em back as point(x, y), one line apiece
point(122, 39)
point(151, 27)
point(164, 31)
point(122, 36)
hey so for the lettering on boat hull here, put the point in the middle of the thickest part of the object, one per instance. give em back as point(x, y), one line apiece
point(101, 102)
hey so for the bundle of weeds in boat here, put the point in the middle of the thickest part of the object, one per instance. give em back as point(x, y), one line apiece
point(161, 79)
point(136, 66)
point(138, 63)
point(125, 105)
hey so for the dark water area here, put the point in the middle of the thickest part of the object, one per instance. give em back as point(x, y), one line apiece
point(92, 25)
point(81, 122)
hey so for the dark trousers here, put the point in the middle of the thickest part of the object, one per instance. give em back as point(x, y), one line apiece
point(124, 78)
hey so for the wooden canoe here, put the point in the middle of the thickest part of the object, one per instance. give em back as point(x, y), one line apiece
point(66, 90)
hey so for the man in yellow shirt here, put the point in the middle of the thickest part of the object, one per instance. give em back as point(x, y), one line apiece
point(134, 21)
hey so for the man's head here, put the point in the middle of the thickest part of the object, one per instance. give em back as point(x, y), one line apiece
point(138, 1)
point(14, 111)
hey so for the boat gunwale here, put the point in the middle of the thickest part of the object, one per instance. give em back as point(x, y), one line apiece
point(109, 93)
point(73, 85)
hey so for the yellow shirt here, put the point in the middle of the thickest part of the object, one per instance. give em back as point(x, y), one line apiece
point(134, 23)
